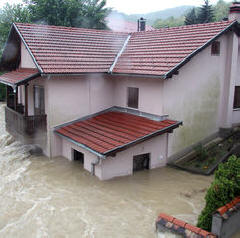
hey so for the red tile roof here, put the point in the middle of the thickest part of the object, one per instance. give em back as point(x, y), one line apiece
point(75, 50)
point(15, 77)
point(71, 50)
point(157, 52)
point(112, 130)
point(181, 227)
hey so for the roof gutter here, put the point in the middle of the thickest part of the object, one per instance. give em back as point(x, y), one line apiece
point(156, 133)
point(28, 79)
point(28, 49)
point(189, 57)
point(101, 156)
point(119, 54)
point(14, 85)
point(140, 75)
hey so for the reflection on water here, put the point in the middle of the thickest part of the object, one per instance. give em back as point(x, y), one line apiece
point(57, 198)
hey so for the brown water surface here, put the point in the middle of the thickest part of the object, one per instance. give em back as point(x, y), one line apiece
point(41, 197)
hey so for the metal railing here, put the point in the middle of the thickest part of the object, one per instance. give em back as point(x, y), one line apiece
point(24, 125)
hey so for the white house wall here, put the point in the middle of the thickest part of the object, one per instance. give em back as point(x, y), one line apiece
point(122, 163)
point(236, 112)
point(196, 97)
point(150, 93)
point(70, 98)
point(26, 59)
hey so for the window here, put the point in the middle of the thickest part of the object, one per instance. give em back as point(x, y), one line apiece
point(215, 48)
point(133, 97)
point(236, 103)
point(39, 104)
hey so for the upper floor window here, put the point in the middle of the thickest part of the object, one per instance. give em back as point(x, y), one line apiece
point(132, 100)
point(215, 50)
point(236, 103)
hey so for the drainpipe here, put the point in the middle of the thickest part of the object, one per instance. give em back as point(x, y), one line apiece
point(94, 164)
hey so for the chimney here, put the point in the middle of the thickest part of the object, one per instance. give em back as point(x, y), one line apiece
point(234, 11)
point(141, 24)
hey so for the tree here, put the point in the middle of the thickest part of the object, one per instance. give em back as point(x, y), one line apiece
point(8, 15)
point(221, 10)
point(75, 13)
point(205, 13)
point(191, 17)
point(169, 22)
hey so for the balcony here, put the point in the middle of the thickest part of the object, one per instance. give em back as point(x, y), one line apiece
point(18, 124)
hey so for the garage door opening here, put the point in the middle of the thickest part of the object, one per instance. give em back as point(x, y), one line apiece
point(78, 156)
point(141, 162)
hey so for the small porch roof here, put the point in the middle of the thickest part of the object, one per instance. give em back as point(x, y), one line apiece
point(19, 76)
point(109, 132)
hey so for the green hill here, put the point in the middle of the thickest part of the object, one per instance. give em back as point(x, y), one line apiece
point(153, 16)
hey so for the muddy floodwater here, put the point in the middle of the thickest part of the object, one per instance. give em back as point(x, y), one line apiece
point(41, 197)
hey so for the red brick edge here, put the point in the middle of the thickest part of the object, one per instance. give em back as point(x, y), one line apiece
point(174, 224)
point(222, 210)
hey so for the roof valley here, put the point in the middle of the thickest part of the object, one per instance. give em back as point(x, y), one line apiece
point(119, 53)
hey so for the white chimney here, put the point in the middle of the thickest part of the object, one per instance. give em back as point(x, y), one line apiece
point(234, 11)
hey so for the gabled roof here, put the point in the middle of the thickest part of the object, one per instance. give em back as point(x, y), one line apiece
point(18, 76)
point(71, 50)
point(160, 53)
point(112, 131)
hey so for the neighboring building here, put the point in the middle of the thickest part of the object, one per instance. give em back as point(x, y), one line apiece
point(104, 97)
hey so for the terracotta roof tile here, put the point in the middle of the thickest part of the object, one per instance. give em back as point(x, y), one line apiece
point(165, 48)
point(18, 75)
point(77, 50)
point(80, 50)
point(111, 130)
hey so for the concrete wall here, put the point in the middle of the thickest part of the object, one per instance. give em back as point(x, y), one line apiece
point(26, 59)
point(89, 157)
point(71, 98)
point(150, 93)
point(236, 112)
point(122, 163)
point(196, 96)
point(225, 228)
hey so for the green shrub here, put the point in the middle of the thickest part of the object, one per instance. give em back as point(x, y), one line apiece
point(224, 188)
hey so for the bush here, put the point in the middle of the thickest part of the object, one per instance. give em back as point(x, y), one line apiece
point(224, 188)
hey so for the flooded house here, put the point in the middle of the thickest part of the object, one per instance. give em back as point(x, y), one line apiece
point(121, 102)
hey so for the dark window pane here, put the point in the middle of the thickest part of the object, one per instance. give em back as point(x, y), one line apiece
point(215, 48)
point(236, 103)
point(133, 97)
point(39, 104)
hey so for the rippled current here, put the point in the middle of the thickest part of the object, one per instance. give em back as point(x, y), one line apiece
point(41, 197)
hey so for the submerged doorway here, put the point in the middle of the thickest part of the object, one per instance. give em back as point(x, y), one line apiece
point(78, 156)
point(141, 162)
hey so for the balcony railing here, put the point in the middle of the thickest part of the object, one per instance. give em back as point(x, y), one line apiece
point(24, 125)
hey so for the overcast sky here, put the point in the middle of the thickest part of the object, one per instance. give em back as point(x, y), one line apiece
point(141, 6)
